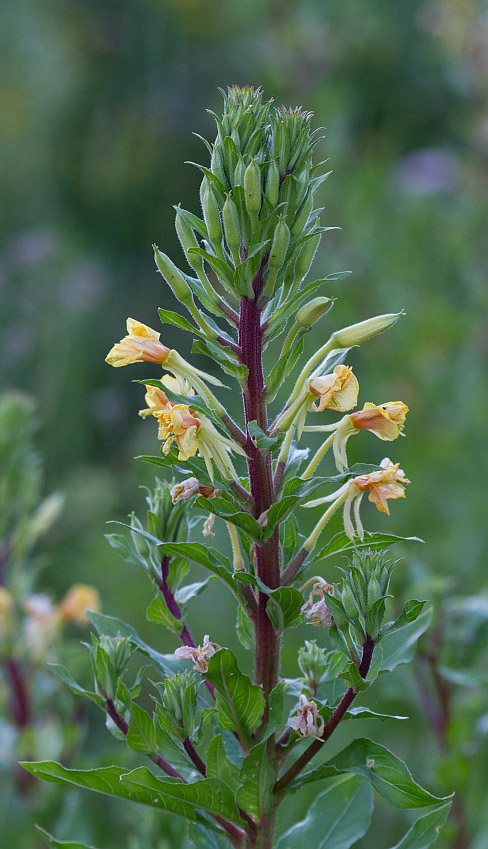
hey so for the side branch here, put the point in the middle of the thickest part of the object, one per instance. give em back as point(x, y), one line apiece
point(342, 707)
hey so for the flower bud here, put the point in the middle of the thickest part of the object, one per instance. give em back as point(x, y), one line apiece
point(172, 275)
point(357, 333)
point(312, 661)
point(306, 255)
point(239, 172)
point(311, 312)
point(349, 603)
point(232, 230)
point(279, 247)
point(216, 166)
point(252, 188)
point(374, 591)
point(272, 183)
point(188, 240)
point(211, 216)
point(302, 215)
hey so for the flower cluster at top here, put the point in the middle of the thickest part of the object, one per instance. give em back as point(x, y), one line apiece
point(258, 237)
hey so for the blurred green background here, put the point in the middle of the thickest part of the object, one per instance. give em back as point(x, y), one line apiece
point(98, 102)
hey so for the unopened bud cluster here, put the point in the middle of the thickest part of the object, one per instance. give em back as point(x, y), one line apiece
point(358, 603)
point(178, 708)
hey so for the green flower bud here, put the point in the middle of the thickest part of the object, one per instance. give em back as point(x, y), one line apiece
point(239, 172)
point(172, 275)
point(188, 240)
point(232, 230)
point(252, 188)
point(302, 215)
point(211, 216)
point(272, 183)
point(312, 661)
point(217, 167)
point(374, 591)
point(357, 333)
point(279, 247)
point(311, 312)
point(349, 602)
point(181, 701)
point(306, 255)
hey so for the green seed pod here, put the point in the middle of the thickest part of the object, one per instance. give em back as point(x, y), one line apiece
point(302, 215)
point(172, 275)
point(217, 167)
point(272, 183)
point(279, 247)
point(211, 216)
point(311, 312)
point(306, 255)
point(252, 188)
point(232, 230)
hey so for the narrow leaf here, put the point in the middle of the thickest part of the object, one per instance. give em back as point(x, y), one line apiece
point(400, 645)
point(62, 844)
point(425, 831)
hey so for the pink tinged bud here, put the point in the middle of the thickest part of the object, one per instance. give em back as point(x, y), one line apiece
point(200, 655)
point(140, 345)
point(307, 722)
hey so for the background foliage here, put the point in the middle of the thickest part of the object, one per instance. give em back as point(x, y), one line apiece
point(99, 101)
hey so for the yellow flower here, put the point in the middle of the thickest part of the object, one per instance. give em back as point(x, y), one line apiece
point(385, 421)
point(337, 391)
point(382, 485)
point(141, 345)
point(80, 597)
point(156, 398)
point(177, 424)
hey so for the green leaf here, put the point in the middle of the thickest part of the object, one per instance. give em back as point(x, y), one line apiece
point(128, 552)
point(218, 353)
point(399, 646)
point(283, 368)
point(209, 794)
point(170, 317)
point(425, 831)
point(62, 844)
point(66, 676)
point(240, 518)
point(184, 594)
point(167, 664)
point(158, 612)
point(372, 540)
point(339, 816)
point(387, 773)
point(353, 679)
point(210, 558)
point(244, 630)
point(219, 765)
point(255, 795)
point(277, 712)
point(410, 613)
point(140, 785)
point(239, 703)
point(284, 607)
point(141, 736)
point(259, 438)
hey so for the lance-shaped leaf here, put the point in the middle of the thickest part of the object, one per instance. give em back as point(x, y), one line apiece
point(141, 736)
point(259, 438)
point(76, 688)
point(399, 645)
point(284, 605)
point(425, 831)
point(388, 774)
point(219, 765)
point(158, 612)
point(140, 785)
point(372, 541)
point(255, 794)
point(339, 817)
point(239, 703)
point(170, 317)
point(61, 844)
point(240, 518)
point(207, 557)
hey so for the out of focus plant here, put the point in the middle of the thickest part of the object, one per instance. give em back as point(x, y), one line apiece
point(232, 748)
point(31, 624)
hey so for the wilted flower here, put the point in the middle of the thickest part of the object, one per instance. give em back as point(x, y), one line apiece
point(80, 597)
point(317, 613)
point(337, 391)
point(388, 483)
point(200, 655)
point(156, 398)
point(140, 345)
point(307, 722)
point(385, 421)
point(208, 525)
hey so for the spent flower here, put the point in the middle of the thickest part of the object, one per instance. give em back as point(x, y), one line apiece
point(307, 722)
